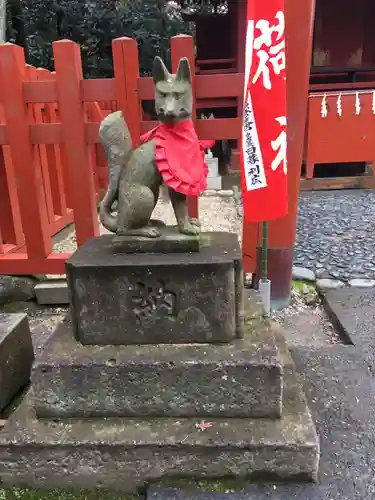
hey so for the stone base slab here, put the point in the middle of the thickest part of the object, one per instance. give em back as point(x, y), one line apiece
point(170, 241)
point(156, 298)
point(16, 356)
point(125, 454)
point(241, 379)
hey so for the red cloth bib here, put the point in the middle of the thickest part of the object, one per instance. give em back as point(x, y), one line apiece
point(179, 156)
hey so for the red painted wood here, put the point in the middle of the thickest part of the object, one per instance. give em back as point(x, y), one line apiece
point(101, 170)
point(183, 46)
point(208, 62)
point(92, 90)
point(339, 32)
point(7, 226)
point(321, 87)
point(21, 263)
point(10, 216)
point(335, 139)
point(241, 35)
point(71, 110)
point(92, 147)
point(41, 157)
point(55, 168)
point(28, 177)
point(100, 89)
point(3, 135)
point(126, 69)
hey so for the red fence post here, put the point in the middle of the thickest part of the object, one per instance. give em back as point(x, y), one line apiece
point(126, 70)
point(10, 216)
point(27, 172)
point(53, 154)
point(183, 46)
point(68, 66)
point(36, 110)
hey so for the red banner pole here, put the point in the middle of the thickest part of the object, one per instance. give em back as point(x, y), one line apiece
point(264, 132)
point(299, 17)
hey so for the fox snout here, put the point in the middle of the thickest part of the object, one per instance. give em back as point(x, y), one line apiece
point(169, 109)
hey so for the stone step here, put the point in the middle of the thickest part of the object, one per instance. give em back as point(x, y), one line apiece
point(241, 379)
point(125, 454)
point(148, 298)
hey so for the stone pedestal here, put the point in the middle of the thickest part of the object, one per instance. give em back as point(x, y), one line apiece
point(145, 298)
point(164, 368)
point(16, 356)
point(240, 379)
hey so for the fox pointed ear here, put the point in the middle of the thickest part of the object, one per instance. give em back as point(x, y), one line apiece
point(183, 71)
point(159, 71)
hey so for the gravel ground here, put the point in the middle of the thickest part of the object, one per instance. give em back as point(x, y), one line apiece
point(305, 321)
point(336, 234)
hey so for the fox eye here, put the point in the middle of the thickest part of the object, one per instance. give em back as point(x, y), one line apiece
point(162, 94)
point(177, 96)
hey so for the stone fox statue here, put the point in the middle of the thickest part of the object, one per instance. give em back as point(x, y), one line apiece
point(170, 154)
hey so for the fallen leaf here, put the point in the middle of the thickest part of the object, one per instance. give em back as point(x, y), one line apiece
point(203, 426)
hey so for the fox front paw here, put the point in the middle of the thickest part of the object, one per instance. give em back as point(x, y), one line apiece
point(190, 228)
point(195, 222)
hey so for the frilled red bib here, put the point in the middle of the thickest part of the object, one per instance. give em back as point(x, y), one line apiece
point(179, 156)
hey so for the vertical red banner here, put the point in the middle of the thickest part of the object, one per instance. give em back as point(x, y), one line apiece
point(264, 131)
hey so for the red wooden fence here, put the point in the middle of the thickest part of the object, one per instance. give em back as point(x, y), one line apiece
point(51, 163)
point(341, 131)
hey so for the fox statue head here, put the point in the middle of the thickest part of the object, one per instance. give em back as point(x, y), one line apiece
point(173, 93)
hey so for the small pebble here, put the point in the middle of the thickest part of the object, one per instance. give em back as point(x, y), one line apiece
point(326, 283)
point(362, 283)
point(301, 273)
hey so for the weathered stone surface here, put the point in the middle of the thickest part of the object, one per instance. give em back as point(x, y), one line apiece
point(155, 298)
point(16, 289)
point(171, 241)
point(125, 454)
point(352, 311)
point(334, 378)
point(52, 292)
point(302, 273)
point(16, 356)
point(253, 304)
point(241, 379)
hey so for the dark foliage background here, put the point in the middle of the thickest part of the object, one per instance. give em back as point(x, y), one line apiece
point(35, 24)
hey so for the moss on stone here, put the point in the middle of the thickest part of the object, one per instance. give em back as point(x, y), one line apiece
point(306, 291)
point(301, 286)
point(62, 494)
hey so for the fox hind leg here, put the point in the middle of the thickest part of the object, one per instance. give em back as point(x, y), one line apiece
point(136, 204)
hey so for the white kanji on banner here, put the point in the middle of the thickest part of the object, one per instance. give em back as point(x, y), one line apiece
point(254, 168)
point(270, 55)
point(279, 146)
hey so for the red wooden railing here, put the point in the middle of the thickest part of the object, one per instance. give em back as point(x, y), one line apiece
point(51, 167)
